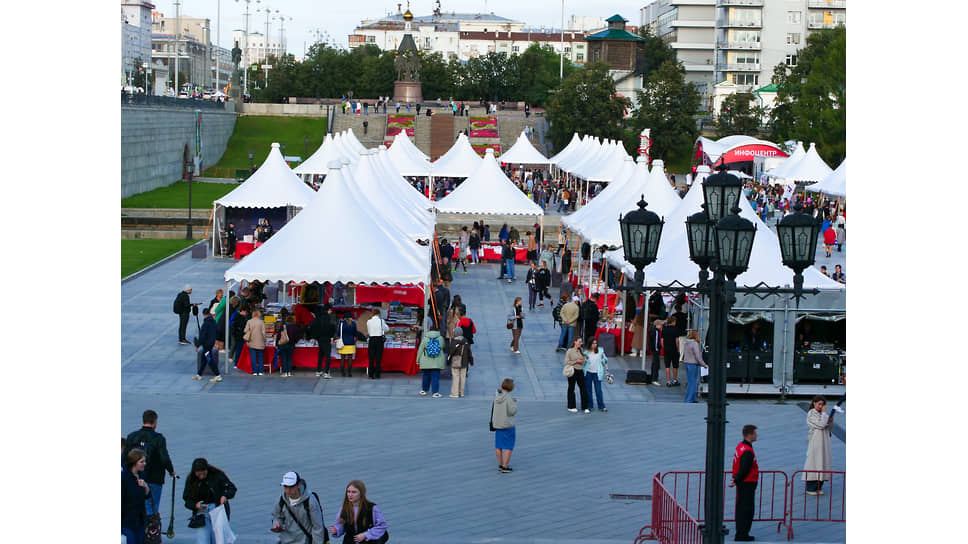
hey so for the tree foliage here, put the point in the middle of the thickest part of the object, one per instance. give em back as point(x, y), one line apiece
point(653, 54)
point(586, 103)
point(811, 101)
point(667, 105)
point(739, 114)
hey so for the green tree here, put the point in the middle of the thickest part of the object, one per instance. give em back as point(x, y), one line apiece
point(739, 114)
point(539, 67)
point(137, 73)
point(667, 105)
point(811, 101)
point(435, 76)
point(586, 103)
point(494, 76)
point(654, 53)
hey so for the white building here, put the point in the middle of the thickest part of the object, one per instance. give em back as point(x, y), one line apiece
point(463, 36)
point(135, 35)
point(738, 41)
point(257, 49)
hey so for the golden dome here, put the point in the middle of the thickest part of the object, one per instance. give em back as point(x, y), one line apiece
point(407, 16)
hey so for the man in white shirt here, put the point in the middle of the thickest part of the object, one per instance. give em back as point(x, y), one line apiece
point(376, 329)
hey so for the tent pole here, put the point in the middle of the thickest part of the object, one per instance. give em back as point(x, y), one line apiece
point(227, 312)
point(215, 237)
point(541, 238)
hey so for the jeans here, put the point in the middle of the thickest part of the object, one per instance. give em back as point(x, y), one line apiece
point(591, 378)
point(211, 361)
point(655, 365)
point(275, 358)
point(237, 351)
point(577, 378)
point(431, 380)
point(133, 536)
point(204, 535)
point(532, 296)
point(509, 263)
point(692, 381)
point(567, 336)
point(285, 355)
point(255, 357)
point(475, 258)
point(152, 502)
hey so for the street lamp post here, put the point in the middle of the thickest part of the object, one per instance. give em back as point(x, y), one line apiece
point(191, 170)
point(251, 158)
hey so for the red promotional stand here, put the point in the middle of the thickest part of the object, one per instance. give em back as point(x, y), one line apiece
point(492, 252)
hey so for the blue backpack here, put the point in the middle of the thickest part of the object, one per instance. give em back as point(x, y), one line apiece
point(433, 347)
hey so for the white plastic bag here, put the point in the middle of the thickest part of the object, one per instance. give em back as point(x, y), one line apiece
point(220, 526)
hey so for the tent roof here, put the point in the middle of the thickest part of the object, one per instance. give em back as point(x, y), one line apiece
point(403, 188)
point(714, 149)
point(592, 158)
point(589, 147)
point(810, 168)
point(372, 184)
point(304, 249)
point(460, 161)
point(572, 146)
point(487, 191)
point(835, 184)
point(406, 158)
point(522, 152)
point(601, 201)
point(273, 185)
point(332, 148)
point(785, 166)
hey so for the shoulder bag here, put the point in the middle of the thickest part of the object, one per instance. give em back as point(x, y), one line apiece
point(247, 336)
point(568, 371)
point(283, 336)
point(339, 339)
point(491, 423)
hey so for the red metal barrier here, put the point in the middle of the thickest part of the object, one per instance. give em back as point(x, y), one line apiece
point(671, 523)
point(829, 506)
point(771, 496)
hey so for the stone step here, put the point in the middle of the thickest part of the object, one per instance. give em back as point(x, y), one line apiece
point(441, 135)
point(165, 212)
point(126, 234)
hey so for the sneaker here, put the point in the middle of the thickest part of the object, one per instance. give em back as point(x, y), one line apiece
point(676, 383)
point(183, 342)
point(502, 469)
point(604, 409)
point(436, 395)
point(422, 393)
point(318, 374)
point(326, 375)
point(812, 493)
point(656, 383)
point(196, 377)
point(587, 411)
point(517, 352)
point(216, 379)
point(820, 492)
point(454, 396)
point(508, 469)
point(669, 384)
point(573, 410)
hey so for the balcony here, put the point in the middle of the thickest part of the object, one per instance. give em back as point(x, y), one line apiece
point(813, 25)
point(698, 46)
point(726, 23)
point(679, 23)
point(824, 4)
point(748, 46)
point(724, 3)
point(740, 67)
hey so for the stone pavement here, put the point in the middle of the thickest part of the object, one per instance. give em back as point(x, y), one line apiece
point(430, 462)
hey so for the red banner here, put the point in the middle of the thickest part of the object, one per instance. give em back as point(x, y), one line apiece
point(407, 294)
point(745, 153)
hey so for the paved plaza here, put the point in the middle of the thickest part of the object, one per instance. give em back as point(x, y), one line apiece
point(429, 463)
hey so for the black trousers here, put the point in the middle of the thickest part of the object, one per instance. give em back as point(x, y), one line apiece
point(745, 503)
point(375, 351)
point(211, 362)
point(579, 378)
point(182, 326)
point(325, 350)
point(655, 365)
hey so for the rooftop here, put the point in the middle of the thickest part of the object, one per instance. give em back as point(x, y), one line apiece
point(614, 34)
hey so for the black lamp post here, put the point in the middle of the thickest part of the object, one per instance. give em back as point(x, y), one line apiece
point(251, 158)
point(798, 243)
point(191, 170)
point(641, 231)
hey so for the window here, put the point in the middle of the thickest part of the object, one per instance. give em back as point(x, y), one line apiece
point(427, 43)
point(515, 48)
point(793, 38)
point(745, 16)
point(371, 39)
point(580, 46)
point(567, 49)
point(579, 57)
point(791, 60)
point(793, 17)
point(748, 57)
point(746, 36)
point(746, 79)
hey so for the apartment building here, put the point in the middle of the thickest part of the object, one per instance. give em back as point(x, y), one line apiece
point(135, 35)
point(738, 42)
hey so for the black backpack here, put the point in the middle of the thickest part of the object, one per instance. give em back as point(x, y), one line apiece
point(556, 312)
point(309, 536)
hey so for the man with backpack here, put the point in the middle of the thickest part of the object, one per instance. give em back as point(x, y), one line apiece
point(157, 461)
point(298, 516)
point(430, 357)
point(183, 306)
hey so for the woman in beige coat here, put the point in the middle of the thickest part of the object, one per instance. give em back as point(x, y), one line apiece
point(255, 338)
point(818, 445)
point(638, 333)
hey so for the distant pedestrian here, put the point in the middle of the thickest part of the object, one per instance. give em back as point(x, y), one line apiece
point(516, 321)
point(574, 363)
point(359, 519)
point(431, 358)
point(287, 335)
point(829, 239)
point(298, 517)
point(206, 353)
point(460, 359)
point(819, 422)
point(134, 494)
point(596, 365)
point(347, 333)
point(183, 307)
point(323, 329)
point(255, 338)
point(670, 350)
point(569, 321)
point(503, 410)
point(206, 488)
point(542, 283)
point(746, 474)
point(507, 254)
point(531, 280)
point(655, 347)
point(590, 315)
point(157, 461)
point(637, 326)
point(839, 275)
point(841, 236)
point(376, 330)
point(237, 330)
point(692, 358)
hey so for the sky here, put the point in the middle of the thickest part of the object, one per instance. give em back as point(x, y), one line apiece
point(338, 19)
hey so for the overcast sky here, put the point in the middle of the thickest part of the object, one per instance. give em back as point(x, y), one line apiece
point(339, 18)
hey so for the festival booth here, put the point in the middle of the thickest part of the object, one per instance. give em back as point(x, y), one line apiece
point(735, 151)
point(489, 192)
point(382, 266)
point(273, 192)
point(810, 169)
point(313, 170)
point(522, 152)
point(373, 185)
point(774, 345)
point(401, 186)
point(780, 171)
point(835, 184)
point(406, 158)
point(460, 161)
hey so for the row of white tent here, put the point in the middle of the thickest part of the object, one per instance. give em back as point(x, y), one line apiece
point(807, 166)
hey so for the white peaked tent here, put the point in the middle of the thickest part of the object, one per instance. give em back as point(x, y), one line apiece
point(569, 149)
point(487, 191)
point(522, 152)
point(603, 200)
point(590, 147)
point(835, 184)
point(331, 150)
point(371, 184)
point(780, 171)
point(273, 185)
point(609, 165)
point(594, 154)
point(406, 158)
point(395, 182)
point(460, 161)
point(810, 168)
point(352, 143)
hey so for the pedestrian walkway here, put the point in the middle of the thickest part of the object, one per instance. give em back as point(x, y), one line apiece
point(428, 462)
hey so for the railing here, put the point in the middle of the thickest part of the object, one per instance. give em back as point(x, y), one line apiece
point(671, 523)
point(771, 497)
point(739, 45)
point(822, 4)
point(816, 25)
point(741, 67)
point(128, 99)
point(739, 3)
point(742, 24)
point(830, 506)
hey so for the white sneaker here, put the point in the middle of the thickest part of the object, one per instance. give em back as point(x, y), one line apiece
point(454, 396)
point(518, 352)
point(422, 393)
point(325, 375)
point(318, 374)
point(216, 379)
point(196, 377)
point(436, 395)
point(587, 411)
point(573, 410)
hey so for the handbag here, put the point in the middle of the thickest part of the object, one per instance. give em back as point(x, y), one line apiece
point(568, 371)
point(283, 337)
point(339, 339)
point(247, 336)
point(197, 521)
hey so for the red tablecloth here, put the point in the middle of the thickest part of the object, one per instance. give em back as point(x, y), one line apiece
point(394, 359)
point(244, 248)
point(493, 252)
point(618, 339)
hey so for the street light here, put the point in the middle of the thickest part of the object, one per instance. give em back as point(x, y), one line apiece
point(798, 242)
point(251, 157)
point(191, 170)
point(641, 230)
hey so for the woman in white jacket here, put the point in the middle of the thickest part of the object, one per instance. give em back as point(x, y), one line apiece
point(596, 363)
point(819, 421)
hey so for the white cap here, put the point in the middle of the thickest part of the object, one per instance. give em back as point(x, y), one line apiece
point(290, 479)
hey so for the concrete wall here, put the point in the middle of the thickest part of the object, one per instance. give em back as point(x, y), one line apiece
point(284, 110)
point(153, 141)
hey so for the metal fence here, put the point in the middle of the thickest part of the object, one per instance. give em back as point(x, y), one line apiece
point(671, 522)
point(139, 99)
point(828, 505)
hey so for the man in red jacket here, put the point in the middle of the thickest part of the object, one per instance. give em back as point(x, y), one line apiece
point(746, 473)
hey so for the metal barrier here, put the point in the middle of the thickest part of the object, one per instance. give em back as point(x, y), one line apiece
point(829, 506)
point(140, 99)
point(671, 523)
point(771, 495)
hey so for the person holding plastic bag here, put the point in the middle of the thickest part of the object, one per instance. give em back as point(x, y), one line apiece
point(207, 487)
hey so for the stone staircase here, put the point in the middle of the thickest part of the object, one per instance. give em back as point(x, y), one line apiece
point(478, 142)
point(375, 132)
point(512, 123)
point(399, 127)
point(442, 134)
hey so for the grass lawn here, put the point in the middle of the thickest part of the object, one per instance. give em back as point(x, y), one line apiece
point(257, 133)
point(176, 195)
point(137, 254)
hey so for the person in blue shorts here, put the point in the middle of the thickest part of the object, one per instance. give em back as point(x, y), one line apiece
point(502, 415)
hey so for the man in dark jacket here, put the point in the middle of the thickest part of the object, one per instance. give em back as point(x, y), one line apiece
point(183, 307)
point(205, 346)
point(237, 330)
point(507, 254)
point(157, 461)
point(589, 316)
point(323, 329)
point(542, 282)
point(655, 346)
point(670, 350)
point(441, 303)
